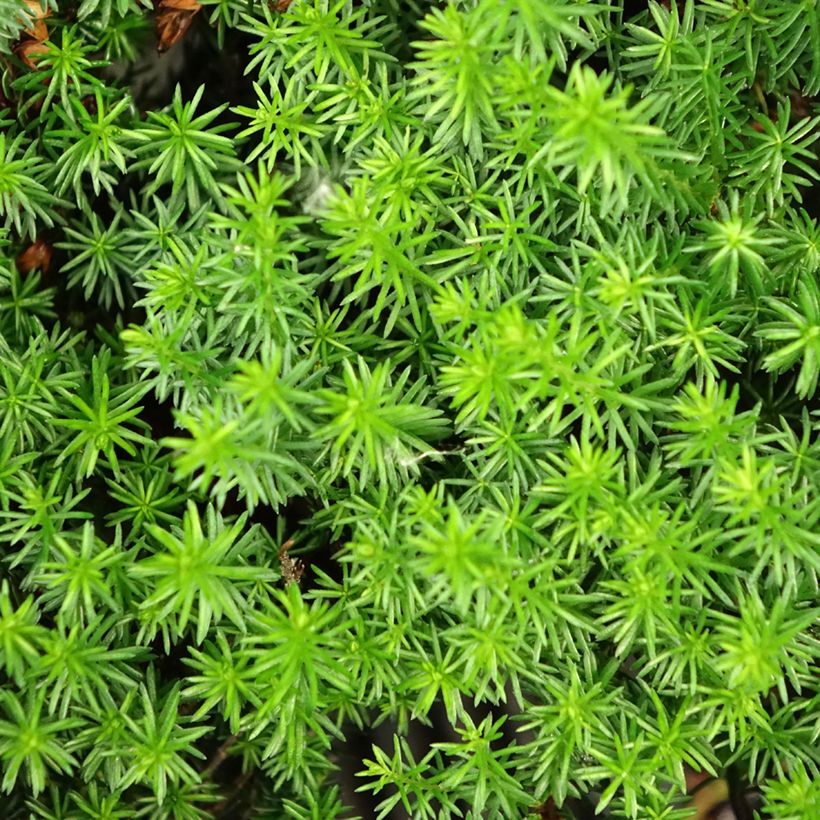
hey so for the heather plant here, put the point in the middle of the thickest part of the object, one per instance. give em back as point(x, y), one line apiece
point(407, 409)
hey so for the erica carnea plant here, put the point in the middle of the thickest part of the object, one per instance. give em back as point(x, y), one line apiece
point(409, 409)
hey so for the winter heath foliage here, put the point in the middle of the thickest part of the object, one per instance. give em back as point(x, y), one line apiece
point(408, 409)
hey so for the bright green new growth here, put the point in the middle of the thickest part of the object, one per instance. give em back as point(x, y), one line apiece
point(502, 317)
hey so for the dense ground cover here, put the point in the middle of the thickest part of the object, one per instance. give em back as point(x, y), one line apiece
point(417, 398)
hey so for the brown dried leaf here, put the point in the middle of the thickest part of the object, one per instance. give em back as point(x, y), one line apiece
point(27, 50)
point(37, 28)
point(173, 18)
point(37, 256)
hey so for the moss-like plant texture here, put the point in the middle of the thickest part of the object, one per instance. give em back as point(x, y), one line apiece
point(408, 409)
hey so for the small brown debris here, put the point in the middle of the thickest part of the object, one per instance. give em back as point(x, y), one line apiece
point(90, 105)
point(800, 105)
point(292, 568)
point(708, 797)
point(547, 810)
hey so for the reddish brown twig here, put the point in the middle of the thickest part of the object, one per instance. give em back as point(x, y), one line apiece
point(218, 758)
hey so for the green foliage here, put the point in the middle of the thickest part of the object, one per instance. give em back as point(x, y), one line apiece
point(181, 149)
point(65, 69)
point(198, 568)
point(23, 197)
point(423, 390)
point(99, 148)
point(99, 423)
point(161, 745)
point(30, 744)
